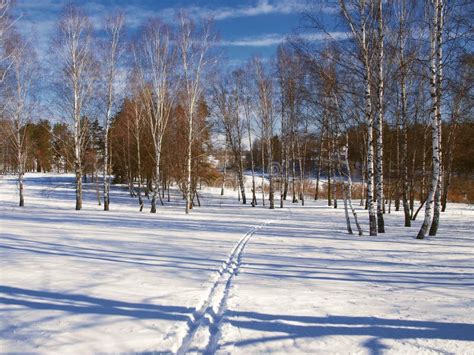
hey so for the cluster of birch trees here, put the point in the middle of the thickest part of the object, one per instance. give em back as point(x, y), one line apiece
point(357, 115)
point(397, 53)
point(168, 63)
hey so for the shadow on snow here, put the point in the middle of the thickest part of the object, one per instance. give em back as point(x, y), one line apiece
point(376, 328)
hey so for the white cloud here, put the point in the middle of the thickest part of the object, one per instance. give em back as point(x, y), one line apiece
point(258, 41)
point(262, 7)
point(273, 39)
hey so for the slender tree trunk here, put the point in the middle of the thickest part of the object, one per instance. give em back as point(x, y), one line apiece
point(363, 192)
point(271, 193)
point(78, 170)
point(406, 207)
point(96, 180)
point(449, 162)
point(21, 188)
point(263, 171)
point(412, 183)
point(318, 172)
point(301, 166)
point(240, 171)
point(287, 171)
point(439, 80)
point(282, 162)
point(344, 197)
point(139, 172)
point(293, 171)
point(399, 178)
point(106, 186)
point(404, 119)
point(224, 170)
point(283, 154)
point(329, 169)
point(370, 154)
point(19, 144)
point(156, 187)
point(349, 184)
point(379, 183)
point(389, 186)
point(78, 186)
point(436, 156)
point(334, 169)
point(422, 203)
point(423, 169)
point(252, 162)
point(189, 164)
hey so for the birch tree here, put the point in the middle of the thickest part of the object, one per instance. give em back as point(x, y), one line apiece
point(403, 12)
point(77, 71)
point(18, 100)
point(290, 79)
point(436, 76)
point(194, 44)
point(379, 180)
point(248, 109)
point(228, 101)
point(112, 53)
point(265, 97)
point(461, 106)
point(342, 127)
point(138, 123)
point(157, 62)
point(359, 18)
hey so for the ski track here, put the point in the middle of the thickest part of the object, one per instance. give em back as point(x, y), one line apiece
point(203, 331)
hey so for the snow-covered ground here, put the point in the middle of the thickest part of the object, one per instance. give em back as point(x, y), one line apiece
point(226, 278)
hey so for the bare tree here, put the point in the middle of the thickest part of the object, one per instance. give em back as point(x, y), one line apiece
point(157, 60)
point(18, 100)
point(436, 77)
point(249, 109)
point(228, 101)
point(403, 12)
point(194, 47)
point(265, 96)
point(112, 52)
point(76, 70)
point(290, 75)
point(138, 125)
point(360, 24)
point(379, 181)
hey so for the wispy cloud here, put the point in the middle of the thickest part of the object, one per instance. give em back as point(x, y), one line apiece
point(273, 39)
point(261, 7)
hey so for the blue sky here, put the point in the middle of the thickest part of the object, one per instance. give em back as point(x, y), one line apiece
point(245, 27)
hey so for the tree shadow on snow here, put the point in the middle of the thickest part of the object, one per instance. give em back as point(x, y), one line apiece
point(82, 304)
point(376, 328)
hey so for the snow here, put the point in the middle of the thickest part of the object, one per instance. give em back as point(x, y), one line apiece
point(227, 278)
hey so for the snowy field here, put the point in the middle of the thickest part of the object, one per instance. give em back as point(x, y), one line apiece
point(226, 279)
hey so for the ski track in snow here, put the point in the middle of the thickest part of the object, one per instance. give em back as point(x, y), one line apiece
point(203, 329)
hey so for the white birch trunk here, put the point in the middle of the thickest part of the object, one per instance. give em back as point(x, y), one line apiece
point(113, 28)
point(439, 81)
point(436, 163)
point(252, 161)
point(404, 116)
point(224, 170)
point(379, 180)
